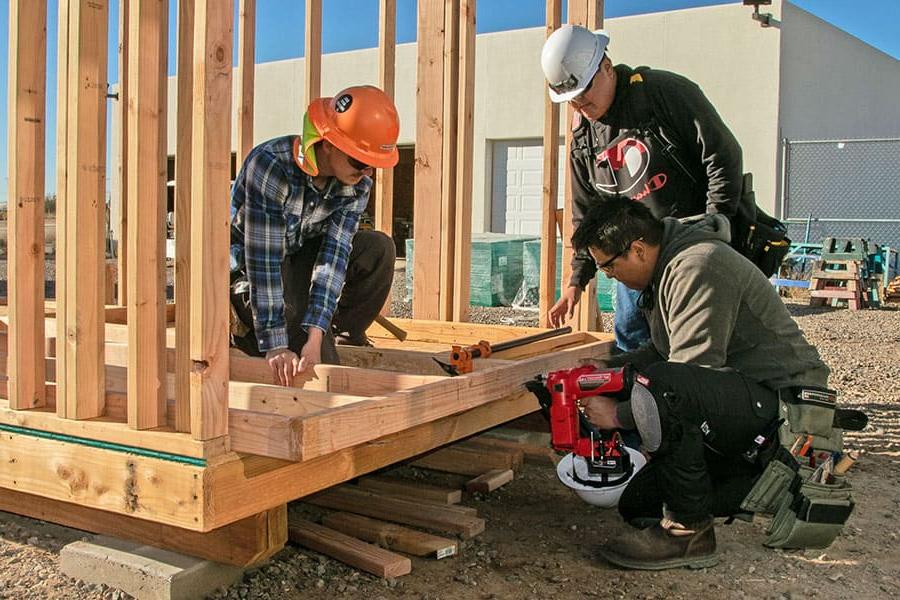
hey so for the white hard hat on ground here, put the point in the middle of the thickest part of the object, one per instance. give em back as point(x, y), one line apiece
point(572, 467)
point(570, 58)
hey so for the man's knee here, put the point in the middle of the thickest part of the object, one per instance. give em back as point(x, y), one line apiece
point(375, 246)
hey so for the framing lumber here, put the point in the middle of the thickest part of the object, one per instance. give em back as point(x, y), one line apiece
point(62, 133)
point(210, 178)
point(532, 453)
point(391, 536)
point(244, 543)
point(428, 516)
point(154, 489)
point(440, 332)
point(470, 461)
point(411, 490)
point(246, 77)
point(550, 194)
point(387, 55)
point(183, 234)
point(463, 164)
point(449, 141)
point(312, 51)
point(26, 142)
point(234, 486)
point(430, 128)
point(349, 550)
point(122, 159)
point(83, 256)
point(146, 282)
point(490, 481)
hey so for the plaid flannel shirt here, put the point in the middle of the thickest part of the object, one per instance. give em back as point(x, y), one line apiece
point(274, 209)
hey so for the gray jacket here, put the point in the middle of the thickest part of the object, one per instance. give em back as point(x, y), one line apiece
point(713, 308)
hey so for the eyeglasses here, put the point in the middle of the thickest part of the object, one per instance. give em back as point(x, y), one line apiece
point(607, 265)
point(358, 165)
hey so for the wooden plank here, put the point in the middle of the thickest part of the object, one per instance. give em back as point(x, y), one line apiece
point(429, 160)
point(244, 543)
point(465, 145)
point(549, 195)
point(183, 166)
point(470, 461)
point(391, 536)
point(348, 550)
point(387, 56)
point(312, 50)
point(532, 453)
point(62, 132)
point(342, 427)
point(122, 162)
point(81, 392)
point(428, 516)
point(234, 485)
point(423, 330)
point(449, 140)
point(148, 37)
point(411, 489)
point(540, 347)
point(25, 243)
point(148, 488)
point(490, 481)
point(246, 77)
point(210, 178)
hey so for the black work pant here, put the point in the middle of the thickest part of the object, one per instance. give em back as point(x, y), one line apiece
point(370, 273)
point(697, 474)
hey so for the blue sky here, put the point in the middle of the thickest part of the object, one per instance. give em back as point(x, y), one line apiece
point(280, 36)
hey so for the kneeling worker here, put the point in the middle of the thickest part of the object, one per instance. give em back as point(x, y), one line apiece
point(722, 345)
point(299, 266)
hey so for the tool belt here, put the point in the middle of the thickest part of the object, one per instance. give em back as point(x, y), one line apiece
point(809, 502)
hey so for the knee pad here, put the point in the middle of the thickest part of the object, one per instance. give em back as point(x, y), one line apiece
point(646, 417)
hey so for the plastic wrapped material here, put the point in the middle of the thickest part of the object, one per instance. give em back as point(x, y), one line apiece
point(496, 272)
point(527, 295)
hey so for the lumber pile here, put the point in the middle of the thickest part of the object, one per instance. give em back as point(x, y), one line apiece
point(892, 291)
point(372, 525)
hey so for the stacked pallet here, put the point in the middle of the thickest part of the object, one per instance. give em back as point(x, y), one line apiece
point(892, 291)
point(842, 275)
point(373, 524)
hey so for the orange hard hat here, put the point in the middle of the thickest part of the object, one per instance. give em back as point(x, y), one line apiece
point(360, 121)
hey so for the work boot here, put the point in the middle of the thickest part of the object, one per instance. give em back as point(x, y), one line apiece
point(666, 545)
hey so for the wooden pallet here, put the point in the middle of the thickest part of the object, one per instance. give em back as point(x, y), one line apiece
point(389, 404)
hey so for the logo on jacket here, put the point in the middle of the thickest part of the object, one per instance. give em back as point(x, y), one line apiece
point(627, 162)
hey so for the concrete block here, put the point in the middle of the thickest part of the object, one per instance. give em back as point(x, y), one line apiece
point(145, 572)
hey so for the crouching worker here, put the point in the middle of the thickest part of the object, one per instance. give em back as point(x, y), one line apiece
point(722, 344)
point(301, 272)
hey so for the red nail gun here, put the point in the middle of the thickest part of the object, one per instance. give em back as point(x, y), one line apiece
point(559, 393)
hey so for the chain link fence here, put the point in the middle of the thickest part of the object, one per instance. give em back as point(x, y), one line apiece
point(842, 188)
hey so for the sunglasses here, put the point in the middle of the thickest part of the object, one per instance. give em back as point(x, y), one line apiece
point(358, 165)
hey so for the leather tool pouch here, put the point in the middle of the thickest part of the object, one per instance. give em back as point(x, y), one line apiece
point(760, 237)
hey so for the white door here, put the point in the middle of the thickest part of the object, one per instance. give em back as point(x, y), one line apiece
point(516, 185)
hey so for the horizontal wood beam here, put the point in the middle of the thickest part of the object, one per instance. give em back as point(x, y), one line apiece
point(244, 543)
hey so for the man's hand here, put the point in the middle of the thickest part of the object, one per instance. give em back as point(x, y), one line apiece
point(565, 306)
point(285, 364)
point(601, 411)
point(311, 353)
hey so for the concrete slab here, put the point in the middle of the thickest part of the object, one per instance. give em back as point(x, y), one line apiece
point(145, 572)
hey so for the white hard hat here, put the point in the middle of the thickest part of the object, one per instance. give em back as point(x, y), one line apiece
point(572, 468)
point(570, 58)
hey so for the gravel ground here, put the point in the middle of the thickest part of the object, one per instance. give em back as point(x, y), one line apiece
point(541, 540)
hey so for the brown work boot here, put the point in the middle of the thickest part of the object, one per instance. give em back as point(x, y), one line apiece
point(666, 545)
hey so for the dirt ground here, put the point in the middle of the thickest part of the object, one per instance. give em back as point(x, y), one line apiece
point(541, 540)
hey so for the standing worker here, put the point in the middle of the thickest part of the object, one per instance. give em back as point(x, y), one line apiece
point(644, 134)
point(301, 271)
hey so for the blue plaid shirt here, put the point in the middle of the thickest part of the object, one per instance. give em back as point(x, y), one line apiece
point(274, 209)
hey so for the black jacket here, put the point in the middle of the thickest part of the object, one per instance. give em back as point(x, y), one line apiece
point(662, 143)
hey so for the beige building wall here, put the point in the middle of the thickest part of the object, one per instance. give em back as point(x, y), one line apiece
point(834, 85)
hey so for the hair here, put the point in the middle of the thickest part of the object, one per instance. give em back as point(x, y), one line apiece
point(610, 225)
